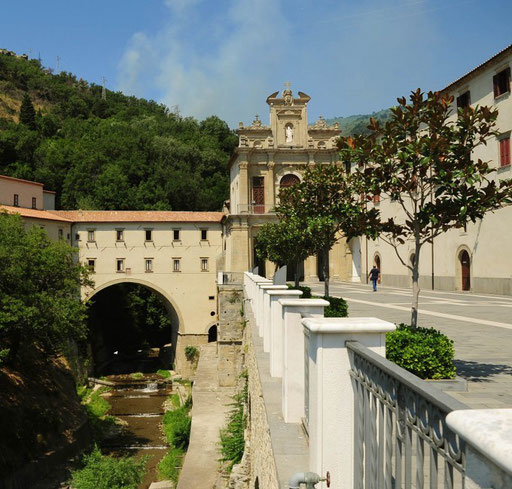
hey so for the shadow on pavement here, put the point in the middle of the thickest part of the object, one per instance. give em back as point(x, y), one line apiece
point(480, 372)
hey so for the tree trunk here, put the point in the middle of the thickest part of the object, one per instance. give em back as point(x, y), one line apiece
point(297, 274)
point(415, 287)
point(326, 272)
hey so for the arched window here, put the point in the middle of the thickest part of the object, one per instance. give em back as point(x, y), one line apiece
point(288, 181)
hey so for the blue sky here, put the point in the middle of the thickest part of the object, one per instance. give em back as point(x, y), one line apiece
point(224, 57)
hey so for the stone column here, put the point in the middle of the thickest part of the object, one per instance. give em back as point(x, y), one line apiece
point(293, 311)
point(329, 389)
point(243, 189)
point(270, 186)
point(310, 271)
point(488, 437)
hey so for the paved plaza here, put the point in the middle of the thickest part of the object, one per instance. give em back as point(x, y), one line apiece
point(480, 325)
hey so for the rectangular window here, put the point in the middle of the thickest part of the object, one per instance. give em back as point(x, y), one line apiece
point(34, 203)
point(204, 264)
point(91, 263)
point(119, 234)
point(120, 265)
point(16, 200)
point(61, 233)
point(204, 234)
point(77, 237)
point(149, 264)
point(90, 235)
point(504, 151)
point(176, 234)
point(376, 198)
point(464, 100)
point(149, 235)
point(176, 265)
point(501, 82)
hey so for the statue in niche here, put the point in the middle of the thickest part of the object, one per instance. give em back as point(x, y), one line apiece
point(289, 134)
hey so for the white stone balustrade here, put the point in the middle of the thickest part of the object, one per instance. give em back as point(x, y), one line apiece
point(330, 391)
point(273, 327)
point(291, 359)
point(263, 307)
point(488, 437)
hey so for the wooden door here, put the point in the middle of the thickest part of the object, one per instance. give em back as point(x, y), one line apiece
point(377, 264)
point(465, 265)
point(258, 195)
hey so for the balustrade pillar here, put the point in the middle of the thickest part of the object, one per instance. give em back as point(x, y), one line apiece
point(329, 391)
point(264, 311)
point(488, 437)
point(291, 360)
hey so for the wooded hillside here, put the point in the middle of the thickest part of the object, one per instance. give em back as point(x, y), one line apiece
point(117, 152)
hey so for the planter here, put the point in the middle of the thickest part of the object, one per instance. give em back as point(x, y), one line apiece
point(458, 384)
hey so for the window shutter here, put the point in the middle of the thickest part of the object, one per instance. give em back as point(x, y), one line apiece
point(507, 71)
point(507, 150)
point(495, 85)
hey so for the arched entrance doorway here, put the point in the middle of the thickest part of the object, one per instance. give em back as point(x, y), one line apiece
point(465, 270)
point(133, 328)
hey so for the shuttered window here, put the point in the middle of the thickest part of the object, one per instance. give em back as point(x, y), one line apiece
point(504, 151)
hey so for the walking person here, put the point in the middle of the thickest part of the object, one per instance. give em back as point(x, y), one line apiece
point(374, 276)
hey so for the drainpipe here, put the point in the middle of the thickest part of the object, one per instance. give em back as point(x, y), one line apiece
point(309, 478)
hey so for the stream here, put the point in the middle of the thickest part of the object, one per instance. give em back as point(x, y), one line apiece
point(139, 405)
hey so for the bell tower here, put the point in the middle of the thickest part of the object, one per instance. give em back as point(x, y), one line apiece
point(289, 118)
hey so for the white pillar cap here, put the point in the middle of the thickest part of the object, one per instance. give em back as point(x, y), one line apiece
point(303, 302)
point(287, 292)
point(347, 325)
point(488, 431)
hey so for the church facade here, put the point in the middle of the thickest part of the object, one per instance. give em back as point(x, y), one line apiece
point(268, 158)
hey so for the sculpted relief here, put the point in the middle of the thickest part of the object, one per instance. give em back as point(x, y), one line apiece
point(289, 134)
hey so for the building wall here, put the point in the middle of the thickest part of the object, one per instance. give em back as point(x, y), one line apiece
point(485, 241)
point(191, 291)
point(25, 191)
point(54, 229)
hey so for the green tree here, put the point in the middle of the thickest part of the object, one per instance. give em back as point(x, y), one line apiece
point(284, 243)
point(424, 160)
point(39, 289)
point(324, 207)
point(27, 112)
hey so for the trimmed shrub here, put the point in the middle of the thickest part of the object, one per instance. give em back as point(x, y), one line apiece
point(103, 472)
point(338, 307)
point(306, 291)
point(425, 352)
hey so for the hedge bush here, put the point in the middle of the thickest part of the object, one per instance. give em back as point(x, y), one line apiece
point(306, 291)
point(425, 352)
point(177, 427)
point(338, 307)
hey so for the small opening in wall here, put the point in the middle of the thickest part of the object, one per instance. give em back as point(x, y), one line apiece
point(212, 313)
point(211, 297)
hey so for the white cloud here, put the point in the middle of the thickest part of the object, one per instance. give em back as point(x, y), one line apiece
point(210, 61)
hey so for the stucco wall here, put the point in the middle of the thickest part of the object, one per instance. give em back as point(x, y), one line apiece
point(25, 191)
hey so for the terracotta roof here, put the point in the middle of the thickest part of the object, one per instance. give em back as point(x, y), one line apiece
point(139, 216)
point(49, 192)
point(34, 213)
point(480, 67)
point(20, 180)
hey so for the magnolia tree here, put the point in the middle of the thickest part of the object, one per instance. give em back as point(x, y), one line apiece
point(424, 160)
point(321, 208)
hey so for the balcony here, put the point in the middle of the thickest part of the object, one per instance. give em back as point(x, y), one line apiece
point(255, 209)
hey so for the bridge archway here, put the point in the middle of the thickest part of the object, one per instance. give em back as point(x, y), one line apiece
point(115, 328)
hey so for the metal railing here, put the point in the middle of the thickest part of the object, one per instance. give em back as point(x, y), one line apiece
point(401, 438)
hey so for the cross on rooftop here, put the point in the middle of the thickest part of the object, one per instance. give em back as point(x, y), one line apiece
point(287, 85)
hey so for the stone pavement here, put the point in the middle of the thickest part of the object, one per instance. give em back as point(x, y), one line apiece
point(210, 407)
point(480, 326)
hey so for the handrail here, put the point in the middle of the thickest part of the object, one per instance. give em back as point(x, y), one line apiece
point(437, 397)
